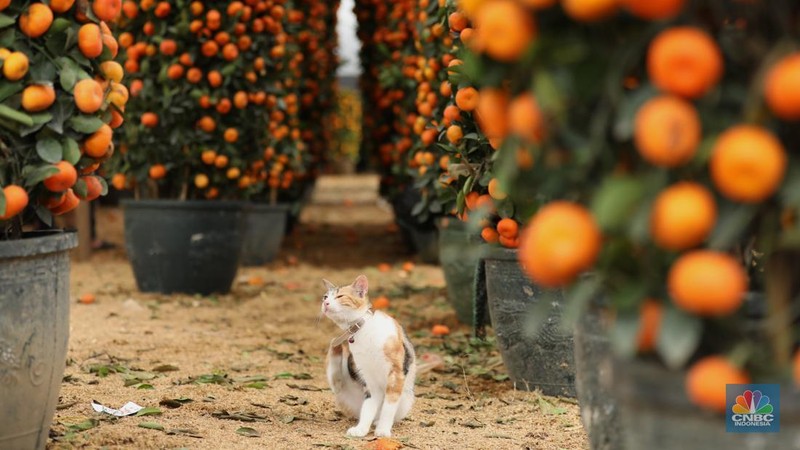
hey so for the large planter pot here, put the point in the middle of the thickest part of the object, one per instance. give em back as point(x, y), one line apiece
point(544, 361)
point(34, 330)
point(421, 238)
point(265, 226)
point(656, 413)
point(594, 378)
point(459, 253)
point(190, 247)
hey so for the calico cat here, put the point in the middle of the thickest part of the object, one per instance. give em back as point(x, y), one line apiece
point(371, 367)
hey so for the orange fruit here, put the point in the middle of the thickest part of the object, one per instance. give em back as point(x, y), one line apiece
point(38, 97)
point(509, 242)
point(16, 201)
point(747, 163)
point(175, 72)
point(382, 302)
point(495, 190)
point(471, 200)
point(440, 330)
point(650, 315)
point(706, 382)
point(454, 134)
point(157, 171)
point(682, 216)
point(129, 9)
point(231, 135)
point(119, 181)
point(240, 100)
point(210, 49)
point(781, 89)
point(86, 299)
point(654, 9)
point(491, 112)
point(15, 66)
point(162, 10)
point(408, 266)
point(539, 4)
point(467, 98)
point(168, 47)
point(201, 181)
point(98, 143)
point(90, 40)
point(684, 61)
point(525, 118)
point(508, 228)
point(71, 201)
point(117, 119)
point(150, 119)
point(233, 173)
point(119, 94)
point(109, 40)
point(59, 6)
point(214, 78)
point(384, 267)
point(230, 52)
point(208, 157)
point(107, 10)
point(4, 4)
point(112, 70)
point(504, 30)
point(88, 96)
point(490, 235)
point(590, 10)
point(36, 20)
point(561, 241)
point(64, 179)
point(667, 131)
point(220, 161)
point(707, 283)
point(457, 21)
point(194, 75)
point(93, 188)
point(207, 124)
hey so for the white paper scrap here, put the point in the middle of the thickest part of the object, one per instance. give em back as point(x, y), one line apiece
point(128, 409)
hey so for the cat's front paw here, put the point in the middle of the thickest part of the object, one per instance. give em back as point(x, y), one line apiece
point(383, 432)
point(357, 432)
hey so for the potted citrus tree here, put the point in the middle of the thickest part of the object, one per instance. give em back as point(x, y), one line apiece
point(667, 171)
point(213, 123)
point(60, 99)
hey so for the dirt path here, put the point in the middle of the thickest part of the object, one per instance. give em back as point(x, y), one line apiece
point(252, 362)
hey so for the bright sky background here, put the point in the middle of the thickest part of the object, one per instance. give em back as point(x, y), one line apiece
point(348, 42)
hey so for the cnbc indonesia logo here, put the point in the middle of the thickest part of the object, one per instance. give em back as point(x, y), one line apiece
point(753, 410)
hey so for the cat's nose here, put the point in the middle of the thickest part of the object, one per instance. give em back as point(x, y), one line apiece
point(327, 303)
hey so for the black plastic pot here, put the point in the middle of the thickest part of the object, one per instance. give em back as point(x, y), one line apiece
point(190, 247)
point(656, 413)
point(421, 238)
point(34, 330)
point(459, 253)
point(544, 361)
point(265, 227)
point(594, 379)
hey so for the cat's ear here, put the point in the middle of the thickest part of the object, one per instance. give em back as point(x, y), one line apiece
point(328, 285)
point(361, 286)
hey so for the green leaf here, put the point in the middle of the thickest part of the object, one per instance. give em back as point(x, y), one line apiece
point(624, 334)
point(85, 124)
point(152, 426)
point(731, 224)
point(678, 337)
point(71, 151)
point(6, 21)
point(578, 299)
point(149, 411)
point(61, 111)
point(87, 424)
point(2, 202)
point(69, 74)
point(39, 120)
point(38, 174)
point(16, 116)
point(49, 150)
point(615, 201)
point(59, 25)
point(103, 183)
point(7, 89)
point(247, 431)
point(81, 190)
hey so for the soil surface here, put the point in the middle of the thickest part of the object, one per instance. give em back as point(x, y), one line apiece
point(246, 370)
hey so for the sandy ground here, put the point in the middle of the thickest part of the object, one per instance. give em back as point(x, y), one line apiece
point(246, 370)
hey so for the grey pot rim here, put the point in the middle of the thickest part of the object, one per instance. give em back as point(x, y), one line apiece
point(495, 252)
point(35, 243)
point(210, 205)
point(269, 207)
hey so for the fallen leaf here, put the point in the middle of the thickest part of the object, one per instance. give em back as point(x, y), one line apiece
point(287, 419)
point(87, 424)
point(152, 426)
point(185, 432)
point(149, 411)
point(472, 424)
point(304, 387)
point(174, 402)
point(427, 423)
point(165, 368)
point(86, 299)
point(247, 431)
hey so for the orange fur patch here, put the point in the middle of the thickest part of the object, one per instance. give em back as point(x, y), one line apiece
point(350, 298)
point(394, 351)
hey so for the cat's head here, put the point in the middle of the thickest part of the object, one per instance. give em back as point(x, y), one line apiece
point(347, 303)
